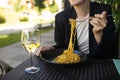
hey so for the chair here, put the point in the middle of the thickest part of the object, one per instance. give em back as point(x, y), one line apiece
point(4, 68)
point(117, 43)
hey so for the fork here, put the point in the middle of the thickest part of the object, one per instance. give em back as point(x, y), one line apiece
point(93, 17)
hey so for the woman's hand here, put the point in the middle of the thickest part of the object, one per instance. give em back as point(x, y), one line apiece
point(44, 48)
point(99, 22)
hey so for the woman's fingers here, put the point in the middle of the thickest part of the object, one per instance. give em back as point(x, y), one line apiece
point(101, 16)
point(42, 49)
point(96, 27)
point(99, 21)
point(37, 53)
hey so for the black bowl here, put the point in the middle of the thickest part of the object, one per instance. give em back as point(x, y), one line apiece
point(49, 56)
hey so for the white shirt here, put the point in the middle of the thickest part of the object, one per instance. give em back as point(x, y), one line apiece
point(83, 35)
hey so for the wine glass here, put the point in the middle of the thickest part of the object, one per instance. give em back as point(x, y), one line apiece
point(30, 39)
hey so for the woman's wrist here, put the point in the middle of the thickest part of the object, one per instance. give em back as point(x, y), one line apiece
point(98, 35)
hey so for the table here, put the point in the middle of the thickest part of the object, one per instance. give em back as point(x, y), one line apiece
point(91, 69)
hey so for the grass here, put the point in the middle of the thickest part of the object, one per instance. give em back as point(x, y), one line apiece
point(9, 39)
point(12, 18)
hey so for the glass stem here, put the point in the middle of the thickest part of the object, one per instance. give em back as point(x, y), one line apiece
point(31, 60)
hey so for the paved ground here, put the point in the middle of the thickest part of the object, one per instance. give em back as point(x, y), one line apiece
point(14, 54)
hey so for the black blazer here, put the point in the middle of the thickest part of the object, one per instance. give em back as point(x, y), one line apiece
point(103, 50)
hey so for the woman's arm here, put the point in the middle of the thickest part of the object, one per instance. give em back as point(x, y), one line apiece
point(99, 23)
point(59, 34)
point(105, 47)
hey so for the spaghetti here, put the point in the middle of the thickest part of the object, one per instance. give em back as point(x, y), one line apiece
point(68, 56)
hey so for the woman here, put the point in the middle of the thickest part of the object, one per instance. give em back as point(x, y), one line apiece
point(95, 31)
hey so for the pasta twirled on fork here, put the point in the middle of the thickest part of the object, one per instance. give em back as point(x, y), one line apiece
point(68, 56)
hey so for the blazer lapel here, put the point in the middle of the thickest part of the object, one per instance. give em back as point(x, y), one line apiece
point(91, 35)
point(72, 14)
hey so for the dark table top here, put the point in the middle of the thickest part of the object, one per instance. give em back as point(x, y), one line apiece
point(91, 69)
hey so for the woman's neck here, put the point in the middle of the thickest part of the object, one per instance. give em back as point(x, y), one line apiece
point(82, 10)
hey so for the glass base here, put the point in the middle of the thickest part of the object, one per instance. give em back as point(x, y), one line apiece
point(32, 70)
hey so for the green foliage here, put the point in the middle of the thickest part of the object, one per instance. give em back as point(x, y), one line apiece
point(16, 5)
point(2, 19)
point(40, 4)
point(115, 4)
point(53, 8)
point(23, 19)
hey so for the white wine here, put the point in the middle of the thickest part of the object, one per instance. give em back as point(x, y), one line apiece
point(30, 39)
point(31, 46)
